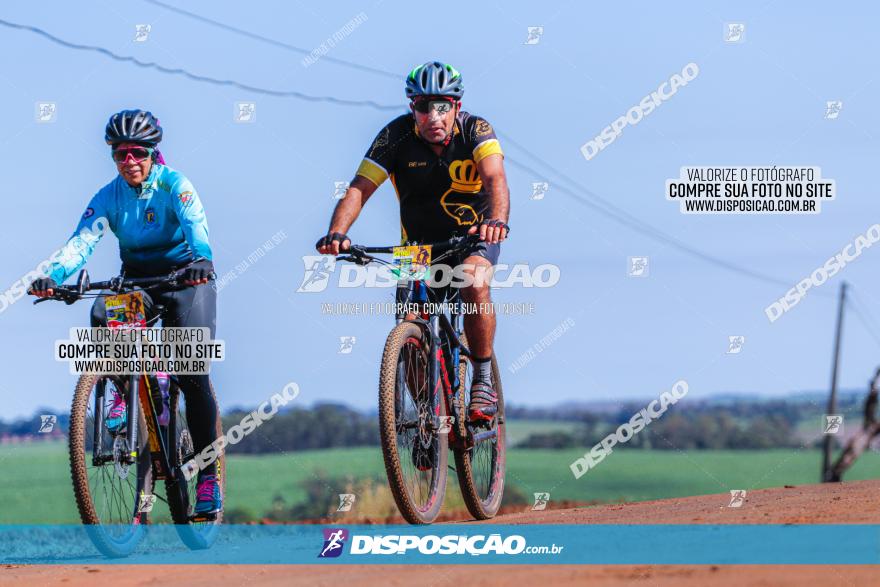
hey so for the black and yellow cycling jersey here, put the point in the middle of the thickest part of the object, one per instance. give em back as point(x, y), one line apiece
point(440, 195)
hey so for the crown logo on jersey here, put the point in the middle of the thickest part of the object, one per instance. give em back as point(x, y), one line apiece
point(465, 177)
point(458, 200)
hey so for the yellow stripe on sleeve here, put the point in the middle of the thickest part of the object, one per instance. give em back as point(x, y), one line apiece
point(372, 171)
point(486, 148)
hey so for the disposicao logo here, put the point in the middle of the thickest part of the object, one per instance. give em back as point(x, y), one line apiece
point(334, 541)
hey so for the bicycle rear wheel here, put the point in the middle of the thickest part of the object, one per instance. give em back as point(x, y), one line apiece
point(414, 451)
point(197, 535)
point(480, 468)
point(113, 493)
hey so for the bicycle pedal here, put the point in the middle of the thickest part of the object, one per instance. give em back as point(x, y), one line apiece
point(203, 517)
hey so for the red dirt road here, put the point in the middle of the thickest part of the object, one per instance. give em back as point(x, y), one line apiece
point(832, 503)
point(845, 503)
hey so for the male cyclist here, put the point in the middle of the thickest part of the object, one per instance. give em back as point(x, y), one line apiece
point(447, 168)
point(159, 220)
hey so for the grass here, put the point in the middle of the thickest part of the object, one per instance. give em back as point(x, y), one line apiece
point(519, 430)
point(36, 489)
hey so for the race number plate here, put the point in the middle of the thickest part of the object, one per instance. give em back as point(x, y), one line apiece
point(411, 262)
point(125, 310)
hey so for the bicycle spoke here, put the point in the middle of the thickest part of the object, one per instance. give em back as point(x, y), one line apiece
point(481, 473)
point(413, 423)
point(115, 499)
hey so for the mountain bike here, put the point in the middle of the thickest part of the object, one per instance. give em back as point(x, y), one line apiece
point(424, 390)
point(114, 471)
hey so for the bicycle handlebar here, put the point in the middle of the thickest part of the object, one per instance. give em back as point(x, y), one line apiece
point(71, 293)
point(361, 254)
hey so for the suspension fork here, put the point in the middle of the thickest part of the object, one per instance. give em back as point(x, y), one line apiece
point(438, 379)
point(98, 424)
point(456, 349)
point(435, 365)
point(446, 390)
point(133, 405)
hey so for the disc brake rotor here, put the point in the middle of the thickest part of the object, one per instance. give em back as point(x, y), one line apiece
point(120, 456)
point(425, 422)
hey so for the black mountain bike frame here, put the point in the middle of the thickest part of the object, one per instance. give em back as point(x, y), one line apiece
point(135, 395)
point(444, 332)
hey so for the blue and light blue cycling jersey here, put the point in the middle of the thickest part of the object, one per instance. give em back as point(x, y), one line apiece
point(160, 226)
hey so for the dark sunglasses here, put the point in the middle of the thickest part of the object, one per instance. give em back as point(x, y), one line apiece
point(425, 106)
point(138, 154)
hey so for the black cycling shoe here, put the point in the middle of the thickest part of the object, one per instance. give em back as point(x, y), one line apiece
point(484, 402)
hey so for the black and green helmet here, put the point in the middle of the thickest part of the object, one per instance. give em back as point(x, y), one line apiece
point(434, 79)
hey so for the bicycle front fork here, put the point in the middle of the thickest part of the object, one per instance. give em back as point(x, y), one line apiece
point(133, 405)
point(132, 417)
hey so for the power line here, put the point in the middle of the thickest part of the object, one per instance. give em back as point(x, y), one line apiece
point(868, 328)
point(606, 208)
point(603, 206)
point(633, 223)
point(197, 77)
point(860, 309)
point(273, 42)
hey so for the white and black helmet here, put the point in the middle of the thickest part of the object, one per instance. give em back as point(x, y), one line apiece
point(133, 126)
point(434, 79)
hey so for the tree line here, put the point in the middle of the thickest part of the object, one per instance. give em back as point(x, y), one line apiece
point(709, 425)
point(705, 424)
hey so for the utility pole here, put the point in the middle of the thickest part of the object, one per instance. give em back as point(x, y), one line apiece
point(832, 398)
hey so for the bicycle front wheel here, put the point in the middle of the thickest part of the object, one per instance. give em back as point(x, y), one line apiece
point(414, 450)
point(113, 489)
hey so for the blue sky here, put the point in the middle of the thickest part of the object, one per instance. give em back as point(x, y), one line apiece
point(760, 102)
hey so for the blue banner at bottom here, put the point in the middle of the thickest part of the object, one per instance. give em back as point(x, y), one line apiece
point(695, 544)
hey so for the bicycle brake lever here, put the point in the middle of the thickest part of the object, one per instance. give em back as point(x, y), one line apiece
point(357, 259)
point(66, 297)
point(60, 295)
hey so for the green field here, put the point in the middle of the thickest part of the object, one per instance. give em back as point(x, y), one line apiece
point(519, 430)
point(35, 485)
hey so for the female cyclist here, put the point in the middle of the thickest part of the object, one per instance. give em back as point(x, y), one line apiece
point(158, 218)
